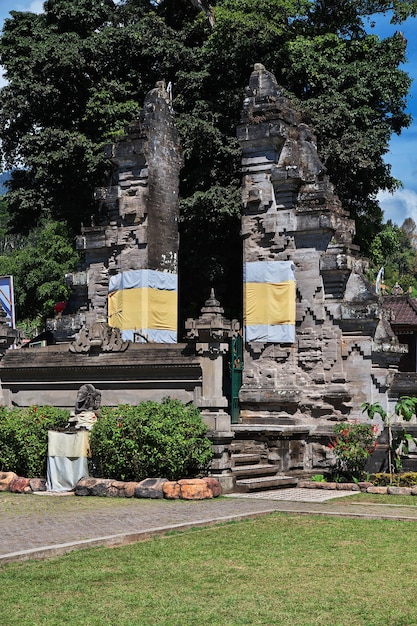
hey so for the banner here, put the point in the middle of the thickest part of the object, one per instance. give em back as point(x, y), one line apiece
point(144, 305)
point(7, 299)
point(269, 301)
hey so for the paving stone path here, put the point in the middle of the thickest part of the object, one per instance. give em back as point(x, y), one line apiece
point(38, 527)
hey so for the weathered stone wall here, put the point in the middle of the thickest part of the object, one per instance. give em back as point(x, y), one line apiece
point(290, 213)
point(137, 224)
point(53, 375)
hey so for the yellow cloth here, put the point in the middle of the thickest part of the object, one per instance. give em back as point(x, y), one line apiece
point(269, 303)
point(71, 445)
point(143, 308)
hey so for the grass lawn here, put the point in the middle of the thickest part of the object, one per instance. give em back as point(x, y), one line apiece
point(374, 498)
point(278, 569)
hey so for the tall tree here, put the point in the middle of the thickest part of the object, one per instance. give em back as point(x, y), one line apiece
point(79, 71)
point(39, 264)
point(393, 249)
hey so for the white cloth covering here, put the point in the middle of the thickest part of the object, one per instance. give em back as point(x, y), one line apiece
point(67, 461)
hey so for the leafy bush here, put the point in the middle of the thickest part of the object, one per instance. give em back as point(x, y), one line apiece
point(24, 438)
point(383, 479)
point(352, 445)
point(150, 440)
point(398, 440)
point(319, 478)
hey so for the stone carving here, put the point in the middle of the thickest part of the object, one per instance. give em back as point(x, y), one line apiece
point(87, 407)
point(211, 326)
point(138, 221)
point(98, 336)
point(292, 214)
point(88, 399)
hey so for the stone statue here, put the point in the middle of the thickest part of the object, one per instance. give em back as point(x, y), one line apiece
point(87, 407)
point(88, 399)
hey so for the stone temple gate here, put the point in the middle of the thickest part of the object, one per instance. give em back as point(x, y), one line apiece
point(316, 344)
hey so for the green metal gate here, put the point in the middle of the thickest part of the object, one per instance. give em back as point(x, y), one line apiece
point(236, 369)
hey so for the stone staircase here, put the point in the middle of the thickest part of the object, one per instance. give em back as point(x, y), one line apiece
point(253, 471)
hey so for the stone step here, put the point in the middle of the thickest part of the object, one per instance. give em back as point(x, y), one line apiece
point(259, 469)
point(245, 458)
point(261, 483)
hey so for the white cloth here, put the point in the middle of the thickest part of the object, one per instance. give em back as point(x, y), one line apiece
point(67, 459)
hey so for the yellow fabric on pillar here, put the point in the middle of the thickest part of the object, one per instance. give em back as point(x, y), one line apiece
point(143, 308)
point(269, 303)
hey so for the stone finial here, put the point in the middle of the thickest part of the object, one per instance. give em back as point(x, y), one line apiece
point(211, 325)
point(397, 290)
point(212, 305)
point(263, 83)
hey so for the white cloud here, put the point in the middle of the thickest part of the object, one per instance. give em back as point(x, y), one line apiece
point(3, 81)
point(36, 6)
point(399, 205)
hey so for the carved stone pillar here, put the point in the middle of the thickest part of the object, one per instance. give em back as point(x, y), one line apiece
point(209, 332)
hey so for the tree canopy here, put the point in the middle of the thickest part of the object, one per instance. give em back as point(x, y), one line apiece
point(394, 249)
point(78, 72)
point(38, 264)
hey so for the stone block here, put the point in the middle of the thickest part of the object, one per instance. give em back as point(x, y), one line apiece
point(325, 485)
point(297, 452)
point(125, 489)
point(214, 485)
point(20, 485)
point(108, 491)
point(150, 488)
point(306, 484)
point(363, 485)
point(172, 490)
point(381, 490)
point(194, 489)
point(100, 489)
point(129, 489)
point(348, 487)
point(5, 480)
point(227, 482)
point(93, 487)
point(37, 484)
point(398, 491)
point(414, 491)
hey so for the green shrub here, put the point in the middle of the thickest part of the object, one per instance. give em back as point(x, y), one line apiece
point(383, 479)
point(24, 438)
point(408, 479)
point(352, 445)
point(150, 440)
point(319, 478)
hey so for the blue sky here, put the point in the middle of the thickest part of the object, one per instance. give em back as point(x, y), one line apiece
point(403, 149)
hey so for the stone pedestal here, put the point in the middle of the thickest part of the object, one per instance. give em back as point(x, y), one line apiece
point(209, 332)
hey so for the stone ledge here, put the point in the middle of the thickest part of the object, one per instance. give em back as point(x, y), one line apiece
point(185, 489)
point(364, 487)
